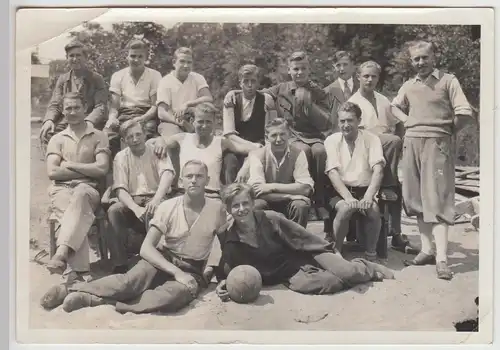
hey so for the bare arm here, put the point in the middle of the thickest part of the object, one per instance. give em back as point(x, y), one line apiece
point(243, 144)
point(278, 189)
point(166, 114)
point(126, 199)
point(95, 170)
point(378, 173)
point(152, 112)
point(205, 96)
point(152, 255)
point(56, 172)
point(235, 147)
point(339, 185)
point(165, 182)
point(114, 106)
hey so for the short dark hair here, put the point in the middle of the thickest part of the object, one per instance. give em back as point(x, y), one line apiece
point(297, 57)
point(248, 69)
point(136, 44)
point(127, 125)
point(350, 107)
point(75, 44)
point(232, 190)
point(73, 96)
point(343, 54)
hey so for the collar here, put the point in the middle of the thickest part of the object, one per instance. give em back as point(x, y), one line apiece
point(350, 81)
point(269, 151)
point(360, 135)
point(245, 99)
point(233, 235)
point(129, 71)
point(68, 132)
point(435, 74)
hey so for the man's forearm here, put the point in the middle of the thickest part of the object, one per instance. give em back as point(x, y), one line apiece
point(126, 199)
point(63, 174)
point(339, 185)
point(165, 114)
point(292, 189)
point(165, 182)
point(373, 188)
point(199, 100)
point(94, 170)
point(97, 115)
point(150, 114)
point(243, 145)
point(155, 258)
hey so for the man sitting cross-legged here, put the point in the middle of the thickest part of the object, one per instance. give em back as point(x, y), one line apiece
point(381, 118)
point(283, 251)
point(77, 160)
point(133, 95)
point(202, 145)
point(355, 165)
point(279, 174)
point(245, 115)
point(174, 255)
point(141, 181)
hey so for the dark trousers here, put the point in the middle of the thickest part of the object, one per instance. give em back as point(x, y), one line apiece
point(330, 274)
point(316, 157)
point(295, 210)
point(231, 164)
point(143, 289)
point(121, 219)
point(392, 146)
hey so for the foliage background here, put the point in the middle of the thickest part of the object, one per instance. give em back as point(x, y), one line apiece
point(221, 48)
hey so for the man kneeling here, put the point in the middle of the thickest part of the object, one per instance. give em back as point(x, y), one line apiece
point(279, 174)
point(174, 255)
point(283, 251)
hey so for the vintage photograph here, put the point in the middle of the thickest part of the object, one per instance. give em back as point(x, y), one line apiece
point(248, 176)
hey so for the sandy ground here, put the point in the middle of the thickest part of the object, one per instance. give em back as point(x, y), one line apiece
point(415, 300)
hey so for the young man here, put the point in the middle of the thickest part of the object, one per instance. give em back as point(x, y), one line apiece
point(245, 114)
point(283, 251)
point(77, 159)
point(82, 80)
point(202, 145)
point(133, 95)
point(355, 165)
point(304, 106)
point(381, 118)
point(178, 92)
point(345, 86)
point(436, 107)
point(279, 175)
point(174, 255)
point(141, 181)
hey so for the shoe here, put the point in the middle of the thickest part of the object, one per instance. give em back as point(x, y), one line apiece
point(54, 297)
point(398, 243)
point(443, 271)
point(56, 266)
point(421, 259)
point(312, 215)
point(322, 213)
point(78, 300)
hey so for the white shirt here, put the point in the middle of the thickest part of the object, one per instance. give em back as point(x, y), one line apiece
point(301, 173)
point(174, 93)
point(355, 170)
point(350, 83)
point(132, 94)
point(380, 121)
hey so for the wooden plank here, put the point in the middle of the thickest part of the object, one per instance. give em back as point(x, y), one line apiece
point(466, 168)
point(464, 174)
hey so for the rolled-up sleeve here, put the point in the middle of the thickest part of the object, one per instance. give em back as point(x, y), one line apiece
point(216, 252)
point(154, 83)
point(375, 155)
point(162, 216)
point(256, 171)
point(165, 164)
point(228, 124)
point(332, 155)
point(269, 104)
point(301, 171)
point(114, 85)
point(163, 92)
point(201, 82)
point(55, 146)
point(458, 99)
point(102, 145)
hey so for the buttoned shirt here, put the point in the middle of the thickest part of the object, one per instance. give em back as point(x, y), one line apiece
point(378, 121)
point(94, 91)
point(134, 94)
point(70, 148)
point(357, 169)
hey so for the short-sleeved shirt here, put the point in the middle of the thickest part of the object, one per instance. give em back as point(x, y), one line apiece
point(355, 170)
point(132, 94)
point(175, 93)
point(378, 121)
point(193, 242)
point(139, 176)
point(301, 173)
point(70, 148)
point(277, 250)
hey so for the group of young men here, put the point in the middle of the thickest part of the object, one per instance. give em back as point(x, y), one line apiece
point(299, 147)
